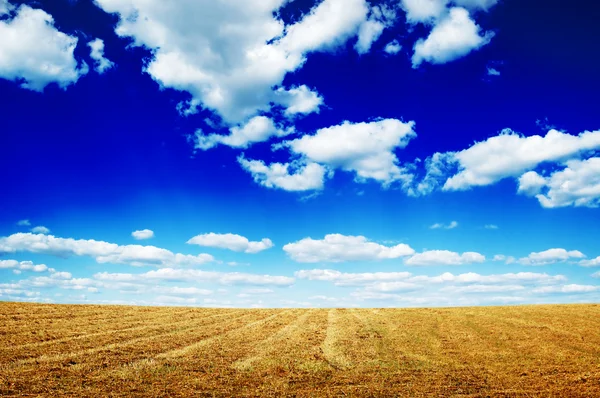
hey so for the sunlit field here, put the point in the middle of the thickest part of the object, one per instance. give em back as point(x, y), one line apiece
point(75, 350)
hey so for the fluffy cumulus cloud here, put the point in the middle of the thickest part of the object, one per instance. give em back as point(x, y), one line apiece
point(367, 149)
point(392, 47)
point(40, 230)
point(576, 185)
point(299, 100)
point(293, 176)
point(551, 256)
point(33, 52)
point(257, 129)
point(232, 242)
point(24, 266)
point(101, 63)
point(142, 234)
point(595, 262)
point(423, 10)
point(453, 37)
point(531, 183)
point(512, 155)
point(444, 257)
point(229, 56)
point(103, 252)
point(336, 248)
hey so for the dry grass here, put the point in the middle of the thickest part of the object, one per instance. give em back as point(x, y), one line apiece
point(53, 350)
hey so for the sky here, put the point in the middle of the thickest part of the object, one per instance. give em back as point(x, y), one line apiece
point(300, 153)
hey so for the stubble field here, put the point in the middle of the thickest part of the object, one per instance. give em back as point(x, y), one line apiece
point(54, 350)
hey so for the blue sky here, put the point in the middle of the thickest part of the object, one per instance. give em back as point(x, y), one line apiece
point(299, 153)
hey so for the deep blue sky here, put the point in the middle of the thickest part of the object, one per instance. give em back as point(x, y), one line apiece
point(109, 153)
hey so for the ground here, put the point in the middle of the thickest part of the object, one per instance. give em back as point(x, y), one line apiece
point(76, 350)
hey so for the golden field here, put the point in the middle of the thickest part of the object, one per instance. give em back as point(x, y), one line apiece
point(95, 351)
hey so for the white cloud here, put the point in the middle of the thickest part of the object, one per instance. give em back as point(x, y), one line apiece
point(193, 275)
point(475, 4)
point(510, 155)
point(577, 185)
point(350, 279)
point(364, 148)
point(591, 263)
point(423, 10)
point(23, 223)
point(34, 53)
point(254, 292)
point(506, 259)
point(5, 7)
point(23, 266)
point(294, 176)
point(232, 242)
point(398, 286)
point(491, 226)
point(298, 100)
point(477, 288)
point(40, 230)
point(370, 30)
point(101, 63)
point(573, 289)
point(143, 234)
point(444, 257)
point(166, 300)
point(257, 129)
point(229, 56)
point(393, 47)
point(338, 248)
point(531, 183)
point(550, 256)
point(177, 291)
point(596, 274)
point(453, 37)
point(368, 33)
point(493, 72)
point(452, 225)
point(103, 252)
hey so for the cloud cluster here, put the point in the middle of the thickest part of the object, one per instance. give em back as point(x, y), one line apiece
point(397, 286)
point(24, 266)
point(365, 149)
point(33, 52)
point(511, 155)
point(103, 252)
point(193, 275)
point(232, 57)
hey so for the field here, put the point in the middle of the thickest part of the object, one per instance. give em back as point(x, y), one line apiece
point(53, 350)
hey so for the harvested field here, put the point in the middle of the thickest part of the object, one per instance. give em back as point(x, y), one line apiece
point(53, 350)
